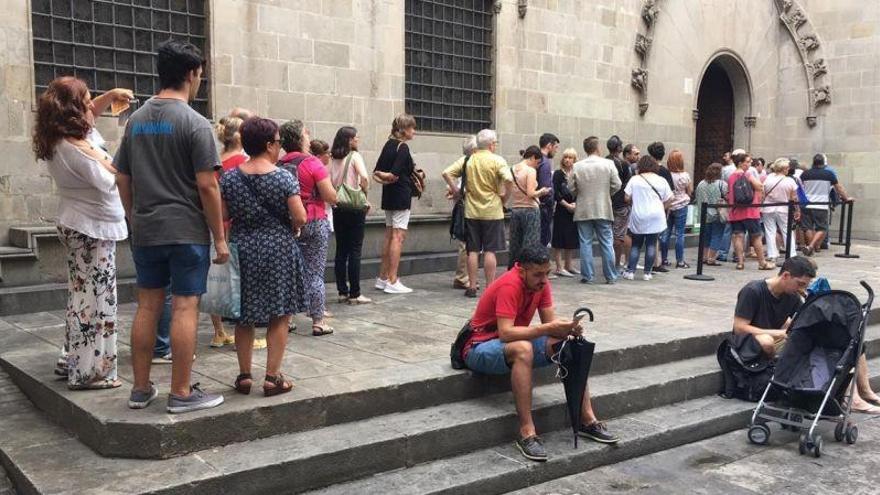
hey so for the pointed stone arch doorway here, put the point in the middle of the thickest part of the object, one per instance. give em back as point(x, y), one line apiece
point(723, 111)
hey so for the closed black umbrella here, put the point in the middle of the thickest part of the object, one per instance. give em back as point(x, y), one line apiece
point(574, 356)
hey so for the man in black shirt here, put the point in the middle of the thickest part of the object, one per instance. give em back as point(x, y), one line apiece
point(764, 307)
point(622, 241)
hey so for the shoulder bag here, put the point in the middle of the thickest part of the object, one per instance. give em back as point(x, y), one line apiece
point(347, 197)
point(458, 226)
point(722, 212)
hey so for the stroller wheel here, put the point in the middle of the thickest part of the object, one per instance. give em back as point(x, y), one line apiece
point(817, 447)
point(852, 434)
point(802, 444)
point(840, 432)
point(759, 434)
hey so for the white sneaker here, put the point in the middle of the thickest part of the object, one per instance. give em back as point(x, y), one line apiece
point(360, 300)
point(628, 275)
point(397, 288)
point(565, 273)
point(380, 284)
point(647, 277)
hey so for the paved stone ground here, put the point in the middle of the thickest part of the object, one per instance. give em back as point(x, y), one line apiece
point(418, 328)
point(729, 465)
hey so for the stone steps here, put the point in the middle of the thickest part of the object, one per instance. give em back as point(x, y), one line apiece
point(459, 447)
point(102, 421)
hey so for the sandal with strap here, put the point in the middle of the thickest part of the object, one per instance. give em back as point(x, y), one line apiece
point(767, 266)
point(321, 330)
point(244, 388)
point(740, 266)
point(279, 385)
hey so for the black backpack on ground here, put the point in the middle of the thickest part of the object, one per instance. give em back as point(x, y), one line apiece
point(743, 192)
point(745, 374)
point(455, 352)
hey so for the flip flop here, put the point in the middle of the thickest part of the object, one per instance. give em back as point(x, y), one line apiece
point(873, 410)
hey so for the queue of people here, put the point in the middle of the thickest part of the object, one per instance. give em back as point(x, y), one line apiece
point(274, 196)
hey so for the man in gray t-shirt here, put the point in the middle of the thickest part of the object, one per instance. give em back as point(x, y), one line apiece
point(164, 146)
point(167, 162)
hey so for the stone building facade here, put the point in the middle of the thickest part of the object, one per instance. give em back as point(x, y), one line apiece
point(572, 67)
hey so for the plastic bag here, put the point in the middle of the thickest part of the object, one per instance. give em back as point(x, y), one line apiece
point(223, 296)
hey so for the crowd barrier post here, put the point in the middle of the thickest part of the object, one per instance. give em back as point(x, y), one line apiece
point(841, 231)
point(704, 210)
point(848, 242)
point(789, 231)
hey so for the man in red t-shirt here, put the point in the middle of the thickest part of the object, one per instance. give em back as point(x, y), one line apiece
point(504, 341)
point(746, 220)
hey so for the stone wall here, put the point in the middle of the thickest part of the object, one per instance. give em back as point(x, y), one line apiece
point(564, 68)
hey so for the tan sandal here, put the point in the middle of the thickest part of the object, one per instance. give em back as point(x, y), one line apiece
point(319, 330)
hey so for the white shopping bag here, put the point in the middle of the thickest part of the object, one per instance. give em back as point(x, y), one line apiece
point(224, 287)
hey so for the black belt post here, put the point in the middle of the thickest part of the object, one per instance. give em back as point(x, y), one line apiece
point(704, 211)
point(848, 244)
point(789, 229)
point(841, 229)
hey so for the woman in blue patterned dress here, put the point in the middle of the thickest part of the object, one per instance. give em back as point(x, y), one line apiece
point(261, 199)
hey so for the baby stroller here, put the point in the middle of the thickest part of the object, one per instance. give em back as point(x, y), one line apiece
point(814, 374)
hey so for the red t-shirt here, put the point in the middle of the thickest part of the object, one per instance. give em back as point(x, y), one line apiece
point(506, 297)
point(310, 171)
point(738, 213)
point(229, 164)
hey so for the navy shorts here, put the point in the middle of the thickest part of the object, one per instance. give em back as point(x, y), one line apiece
point(488, 357)
point(184, 266)
point(750, 225)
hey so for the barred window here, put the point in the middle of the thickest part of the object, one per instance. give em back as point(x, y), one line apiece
point(112, 43)
point(449, 64)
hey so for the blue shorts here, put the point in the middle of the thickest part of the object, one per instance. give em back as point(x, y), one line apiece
point(488, 357)
point(184, 266)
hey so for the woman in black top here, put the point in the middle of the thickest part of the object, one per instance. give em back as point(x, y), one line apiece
point(394, 170)
point(565, 237)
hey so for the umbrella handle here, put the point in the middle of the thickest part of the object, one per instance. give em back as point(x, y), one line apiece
point(581, 312)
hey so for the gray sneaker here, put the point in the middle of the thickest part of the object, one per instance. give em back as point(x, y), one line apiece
point(198, 399)
point(140, 399)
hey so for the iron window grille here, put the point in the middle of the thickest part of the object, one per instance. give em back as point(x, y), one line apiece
point(449, 47)
point(112, 43)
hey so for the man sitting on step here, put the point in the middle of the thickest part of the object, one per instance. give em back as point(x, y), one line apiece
point(764, 307)
point(504, 341)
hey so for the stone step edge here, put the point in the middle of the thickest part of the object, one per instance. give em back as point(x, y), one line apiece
point(526, 473)
point(163, 440)
point(321, 457)
point(111, 437)
point(501, 468)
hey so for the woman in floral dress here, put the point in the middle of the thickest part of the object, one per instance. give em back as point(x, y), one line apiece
point(261, 199)
point(90, 222)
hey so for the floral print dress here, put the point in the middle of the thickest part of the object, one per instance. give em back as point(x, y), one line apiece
point(269, 258)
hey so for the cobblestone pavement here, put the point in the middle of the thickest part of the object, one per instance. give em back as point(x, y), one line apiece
point(729, 465)
point(418, 328)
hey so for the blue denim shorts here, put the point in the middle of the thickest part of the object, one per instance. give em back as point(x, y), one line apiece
point(488, 357)
point(184, 266)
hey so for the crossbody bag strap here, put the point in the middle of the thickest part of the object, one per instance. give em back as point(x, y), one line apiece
point(346, 167)
point(513, 174)
point(764, 200)
point(247, 182)
point(652, 187)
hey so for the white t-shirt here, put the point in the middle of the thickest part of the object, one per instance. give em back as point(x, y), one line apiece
point(727, 171)
point(648, 193)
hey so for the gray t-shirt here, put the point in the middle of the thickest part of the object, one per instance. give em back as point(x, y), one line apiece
point(165, 144)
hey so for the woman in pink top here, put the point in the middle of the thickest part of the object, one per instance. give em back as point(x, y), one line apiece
point(316, 192)
point(746, 219)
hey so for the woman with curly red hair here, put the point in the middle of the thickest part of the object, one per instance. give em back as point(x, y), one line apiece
point(90, 221)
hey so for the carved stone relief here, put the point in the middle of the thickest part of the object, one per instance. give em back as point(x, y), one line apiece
point(793, 16)
point(642, 46)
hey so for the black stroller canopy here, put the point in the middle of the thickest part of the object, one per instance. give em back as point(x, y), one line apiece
point(824, 334)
